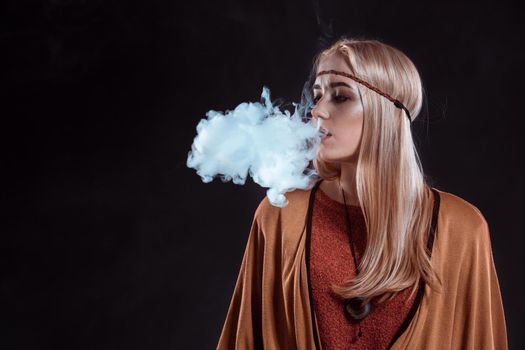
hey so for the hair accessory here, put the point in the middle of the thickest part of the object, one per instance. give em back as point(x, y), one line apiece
point(396, 102)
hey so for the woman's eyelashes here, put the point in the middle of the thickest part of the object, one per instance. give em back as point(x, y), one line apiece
point(337, 98)
point(340, 98)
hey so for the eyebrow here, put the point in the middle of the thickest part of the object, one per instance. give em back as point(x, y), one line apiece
point(333, 85)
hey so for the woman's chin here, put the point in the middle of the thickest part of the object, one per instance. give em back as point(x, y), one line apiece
point(326, 156)
point(331, 158)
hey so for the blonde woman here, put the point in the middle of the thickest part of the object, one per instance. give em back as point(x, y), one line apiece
point(371, 257)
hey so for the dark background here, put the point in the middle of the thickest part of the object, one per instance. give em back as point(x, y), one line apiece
point(111, 242)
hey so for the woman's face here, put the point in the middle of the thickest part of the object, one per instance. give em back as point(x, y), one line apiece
point(338, 106)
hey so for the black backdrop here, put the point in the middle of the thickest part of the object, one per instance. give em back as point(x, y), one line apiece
point(111, 242)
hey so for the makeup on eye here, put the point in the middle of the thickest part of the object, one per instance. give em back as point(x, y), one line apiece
point(337, 97)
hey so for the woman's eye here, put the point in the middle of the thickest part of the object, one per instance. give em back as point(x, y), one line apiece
point(340, 98)
point(336, 98)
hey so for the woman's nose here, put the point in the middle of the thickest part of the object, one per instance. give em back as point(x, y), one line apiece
point(318, 112)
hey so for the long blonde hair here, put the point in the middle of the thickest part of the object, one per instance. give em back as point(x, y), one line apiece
point(391, 187)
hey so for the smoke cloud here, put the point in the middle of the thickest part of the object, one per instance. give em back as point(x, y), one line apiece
point(274, 147)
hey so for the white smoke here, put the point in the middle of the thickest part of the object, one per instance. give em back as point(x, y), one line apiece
point(272, 146)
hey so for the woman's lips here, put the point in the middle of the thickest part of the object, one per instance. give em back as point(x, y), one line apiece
point(324, 133)
point(326, 138)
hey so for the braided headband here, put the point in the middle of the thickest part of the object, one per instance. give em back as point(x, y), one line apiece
point(396, 102)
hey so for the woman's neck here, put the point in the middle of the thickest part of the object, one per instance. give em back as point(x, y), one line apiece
point(332, 188)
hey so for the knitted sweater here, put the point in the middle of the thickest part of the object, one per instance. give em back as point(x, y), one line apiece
point(331, 262)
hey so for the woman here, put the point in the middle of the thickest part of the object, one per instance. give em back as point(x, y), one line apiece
point(372, 257)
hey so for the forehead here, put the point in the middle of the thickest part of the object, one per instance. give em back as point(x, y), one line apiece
point(333, 62)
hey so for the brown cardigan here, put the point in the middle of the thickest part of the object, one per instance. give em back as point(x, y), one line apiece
point(270, 307)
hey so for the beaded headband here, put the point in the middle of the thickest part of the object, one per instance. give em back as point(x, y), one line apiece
point(396, 102)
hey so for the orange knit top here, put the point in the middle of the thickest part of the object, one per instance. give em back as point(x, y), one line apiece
point(331, 262)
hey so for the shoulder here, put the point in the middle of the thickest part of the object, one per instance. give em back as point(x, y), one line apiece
point(460, 210)
point(462, 221)
point(267, 214)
